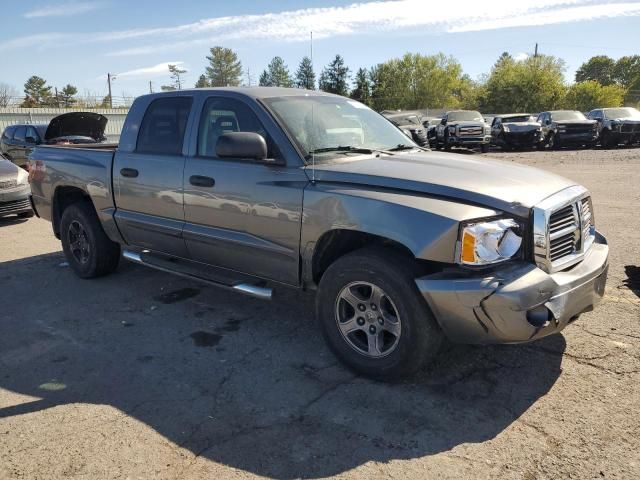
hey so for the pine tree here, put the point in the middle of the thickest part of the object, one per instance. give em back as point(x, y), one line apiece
point(67, 94)
point(335, 76)
point(276, 74)
point(37, 92)
point(224, 70)
point(305, 76)
point(202, 82)
point(362, 90)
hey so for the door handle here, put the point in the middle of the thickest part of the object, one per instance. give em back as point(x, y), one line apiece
point(129, 172)
point(201, 181)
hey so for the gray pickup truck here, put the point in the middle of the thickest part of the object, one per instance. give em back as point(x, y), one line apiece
point(251, 188)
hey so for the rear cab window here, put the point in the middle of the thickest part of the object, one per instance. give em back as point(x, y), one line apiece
point(163, 127)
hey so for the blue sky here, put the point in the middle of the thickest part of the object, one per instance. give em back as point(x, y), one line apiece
point(78, 42)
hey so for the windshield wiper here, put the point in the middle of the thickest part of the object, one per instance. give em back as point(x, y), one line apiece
point(402, 146)
point(348, 149)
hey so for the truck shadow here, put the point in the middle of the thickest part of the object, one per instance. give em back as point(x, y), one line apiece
point(241, 382)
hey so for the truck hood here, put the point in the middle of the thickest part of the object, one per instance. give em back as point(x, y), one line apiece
point(466, 124)
point(496, 184)
point(77, 124)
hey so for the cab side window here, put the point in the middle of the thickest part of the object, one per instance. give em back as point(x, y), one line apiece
point(32, 135)
point(164, 125)
point(226, 115)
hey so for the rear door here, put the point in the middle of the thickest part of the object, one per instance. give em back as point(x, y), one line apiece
point(18, 145)
point(148, 181)
point(242, 214)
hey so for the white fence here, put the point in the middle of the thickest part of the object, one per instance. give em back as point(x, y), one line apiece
point(11, 116)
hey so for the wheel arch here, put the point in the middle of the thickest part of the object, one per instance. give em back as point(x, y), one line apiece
point(63, 197)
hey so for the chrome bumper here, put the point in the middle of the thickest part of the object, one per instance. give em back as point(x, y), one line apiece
point(517, 303)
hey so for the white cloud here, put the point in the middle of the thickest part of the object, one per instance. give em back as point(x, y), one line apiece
point(161, 69)
point(67, 9)
point(378, 17)
point(521, 56)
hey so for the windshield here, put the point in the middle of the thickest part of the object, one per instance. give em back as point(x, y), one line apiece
point(621, 113)
point(325, 123)
point(518, 119)
point(465, 117)
point(405, 120)
point(568, 115)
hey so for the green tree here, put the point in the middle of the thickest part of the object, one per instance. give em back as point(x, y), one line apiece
point(224, 70)
point(276, 74)
point(305, 76)
point(627, 70)
point(530, 85)
point(416, 81)
point(202, 82)
point(37, 92)
point(585, 96)
point(335, 77)
point(600, 68)
point(67, 95)
point(362, 89)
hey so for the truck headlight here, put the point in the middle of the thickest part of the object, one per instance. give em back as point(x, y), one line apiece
point(495, 241)
point(487, 130)
point(23, 177)
point(505, 129)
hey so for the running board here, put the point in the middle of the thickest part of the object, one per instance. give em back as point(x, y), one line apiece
point(252, 290)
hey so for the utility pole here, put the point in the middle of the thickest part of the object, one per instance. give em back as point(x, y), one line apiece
point(311, 49)
point(109, 83)
point(249, 80)
point(150, 87)
point(536, 51)
point(57, 101)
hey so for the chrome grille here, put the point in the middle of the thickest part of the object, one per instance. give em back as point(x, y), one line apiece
point(470, 130)
point(563, 229)
point(563, 232)
point(8, 184)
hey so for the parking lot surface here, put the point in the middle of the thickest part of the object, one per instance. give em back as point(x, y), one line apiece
point(145, 375)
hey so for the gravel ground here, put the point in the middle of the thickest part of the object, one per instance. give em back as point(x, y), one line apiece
point(145, 375)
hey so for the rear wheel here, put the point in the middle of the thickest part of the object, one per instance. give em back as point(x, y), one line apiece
point(373, 317)
point(88, 250)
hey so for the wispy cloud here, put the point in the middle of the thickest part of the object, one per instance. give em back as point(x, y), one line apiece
point(154, 71)
point(66, 9)
point(378, 17)
point(521, 56)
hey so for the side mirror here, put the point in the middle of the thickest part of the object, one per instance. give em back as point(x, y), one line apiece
point(443, 121)
point(242, 145)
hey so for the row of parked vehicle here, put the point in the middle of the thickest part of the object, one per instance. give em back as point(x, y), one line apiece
point(608, 127)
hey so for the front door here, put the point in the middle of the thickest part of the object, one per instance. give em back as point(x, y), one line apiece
point(241, 214)
point(148, 181)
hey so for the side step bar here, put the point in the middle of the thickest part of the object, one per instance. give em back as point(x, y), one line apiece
point(252, 290)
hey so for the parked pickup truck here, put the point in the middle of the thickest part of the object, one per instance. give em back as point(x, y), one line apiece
point(617, 125)
point(567, 128)
point(463, 128)
point(251, 188)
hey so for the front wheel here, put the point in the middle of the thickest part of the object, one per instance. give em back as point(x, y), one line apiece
point(373, 317)
point(484, 148)
point(88, 250)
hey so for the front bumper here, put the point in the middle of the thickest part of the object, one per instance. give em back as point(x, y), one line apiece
point(576, 138)
point(518, 302)
point(524, 139)
point(464, 141)
point(15, 201)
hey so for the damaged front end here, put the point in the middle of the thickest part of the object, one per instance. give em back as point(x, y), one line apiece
point(518, 302)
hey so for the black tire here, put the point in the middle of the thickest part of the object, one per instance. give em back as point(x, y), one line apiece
point(419, 336)
point(26, 214)
point(102, 255)
point(484, 148)
point(607, 140)
point(552, 142)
